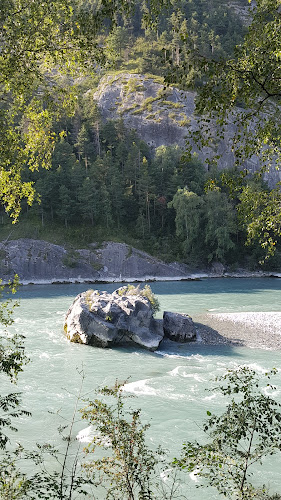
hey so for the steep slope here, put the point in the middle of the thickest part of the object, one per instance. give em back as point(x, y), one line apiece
point(163, 116)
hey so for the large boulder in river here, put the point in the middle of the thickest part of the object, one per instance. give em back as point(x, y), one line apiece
point(102, 319)
point(178, 327)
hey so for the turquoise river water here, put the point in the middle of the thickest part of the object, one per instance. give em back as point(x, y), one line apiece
point(170, 384)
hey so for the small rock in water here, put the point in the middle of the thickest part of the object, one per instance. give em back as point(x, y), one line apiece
point(178, 327)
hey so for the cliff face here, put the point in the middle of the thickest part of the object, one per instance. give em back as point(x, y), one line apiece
point(163, 116)
point(37, 261)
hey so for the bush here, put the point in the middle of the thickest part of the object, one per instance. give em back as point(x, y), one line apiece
point(247, 432)
point(144, 292)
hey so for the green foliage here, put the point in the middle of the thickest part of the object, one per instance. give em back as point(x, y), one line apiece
point(125, 193)
point(220, 225)
point(14, 485)
point(259, 211)
point(213, 29)
point(101, 174)
point(11, 347)
point(189, 211)
point(251, 77)
point(118, 457)
point(56, 472)
point(37, 77)
point(242, 88)
point(128, 465)
point(12, 359)
point(147, 292)
point(247, 432)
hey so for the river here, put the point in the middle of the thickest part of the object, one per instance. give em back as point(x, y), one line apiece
point(169, 384)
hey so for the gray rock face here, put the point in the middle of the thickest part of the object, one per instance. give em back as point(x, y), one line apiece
point(165, 117)
point(102, 319)
point(178, 327)
point(37, 261)
point(121, 261)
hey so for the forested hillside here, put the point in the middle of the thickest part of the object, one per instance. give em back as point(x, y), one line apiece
point(213, 28)
point(106, 183)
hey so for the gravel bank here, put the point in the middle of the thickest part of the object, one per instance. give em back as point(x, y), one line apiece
point(251, 329)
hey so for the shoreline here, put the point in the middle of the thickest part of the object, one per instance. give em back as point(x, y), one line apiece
point(38, 262)
point(146, 279)
point(256, 330)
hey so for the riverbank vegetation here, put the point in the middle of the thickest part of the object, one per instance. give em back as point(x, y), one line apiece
point(163, 203)
point(111, 186)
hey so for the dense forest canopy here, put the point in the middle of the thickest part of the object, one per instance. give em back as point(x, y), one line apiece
point(43, 46)
point(101, 173)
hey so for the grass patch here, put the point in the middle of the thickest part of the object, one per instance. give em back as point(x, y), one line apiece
point(171, 104)
point(146, 105)
point(142, 292)
point(155, 78)
point(71, 238)
point(133, 85)
point(128, 109)
point(151, 116)
point(137, 111)
point(186, 122)
point(163, 93)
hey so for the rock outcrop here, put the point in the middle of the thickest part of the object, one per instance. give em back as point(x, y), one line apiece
point(40, 262)
point(126, 316)
point(165, 116)
point(37, 261)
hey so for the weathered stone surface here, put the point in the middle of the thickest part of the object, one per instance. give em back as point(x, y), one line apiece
point(39, 261)
point(103, 319)
point(178, 327)
point(165, 116)
point(86, 328)
point(120, 261)
point(217, 269)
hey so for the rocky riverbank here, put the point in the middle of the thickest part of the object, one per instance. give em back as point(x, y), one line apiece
point(41, 262)
point(260, 330)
